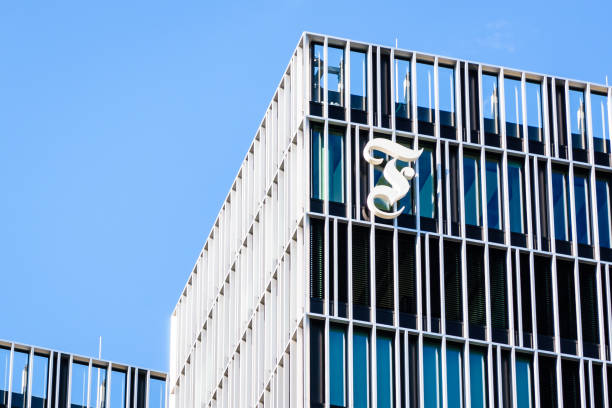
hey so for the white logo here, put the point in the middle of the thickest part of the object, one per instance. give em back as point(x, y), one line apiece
point(398, 179)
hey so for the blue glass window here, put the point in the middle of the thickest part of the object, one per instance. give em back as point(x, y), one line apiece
point(603, 212)
point(514, 107)
point(384, 371)
point(39, 381)
point(335, 76)
point(577, 120)
point(561, 206)
point(533, 91)
point(478, 378)
point(117, 395)
point(583, 219)
point(407, 201)
point(98, 387)
point(20, 379)
point(471, 190)
point(5, 358)
point(402, 88)
point(361, 368)
point(425, 92)
point(600, 122)
point(337, 364)
point(336, 166)
point(317, 73)
point(427, 179)
point(490, 103)
point(359, 78)
point(432, 375)
point(524, 383)
point(316, 164)
point(494, 211)
point(157, 392)
point(446, 91)
point(454, 376)
point(515, 196)
point(78, 385)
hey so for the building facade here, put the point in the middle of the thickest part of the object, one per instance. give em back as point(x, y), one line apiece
point(479, 279)
point(34, 377)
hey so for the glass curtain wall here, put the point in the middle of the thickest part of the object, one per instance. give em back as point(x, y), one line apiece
point(359, 78)
point(403, 107)
point(385, 372)
point(577, 119)
point(427, 176)
point(78, 385)
point(432, 375)
point(471, 190)
point(337, 366)
point(157, 392)
point(582, 203)
point(446, 91)
point(600, 122)
point(478, 378)
point(514, 110)
point(561, 207)
point(494, 201)
point(490, 103)
point(40, 377)
point(335, 76)
point(533, 92)
point(20, 379)
point(317, 73)
point(361, 369)
point(515, 197)
point(602, 188)
point(425, 97)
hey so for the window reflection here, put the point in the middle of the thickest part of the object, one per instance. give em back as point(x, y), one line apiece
point(533, 92)
point(20, 379)
point(581, 193)
point(577, 122)
point(514, 111)
point(317, 73)
point(40, 370)
point(490, 103)
point(446, 90)
point(157, 392)
point(117, 395)
point(337, 366)
point(384, 371)
point(335, 76)
point(336, 165)
point(471, 190)
point(359, 77)
point(432, 375)
point(478, 378)
point(599, 117)
point(425, 97)
point(603, 212)
point(361, 367)
point(561, 206)
point(426, 177)
point(494, 211)
point(316, 165)
point(515, 196)
point(402, 89)
point(78, 387)
point(98, 387)
point(454, 376)
point(5, 357)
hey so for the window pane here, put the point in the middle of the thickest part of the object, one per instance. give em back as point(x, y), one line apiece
point(454, 379)
point(359, 86)
point(577, 123)
point(98, 387)
point(478, 378)
point(603, 212)
point(316, 165)
point(515, 196)
point(317, 72)
point(514, 107)
point(78, 390)
point(335, 76)
point(39, 381)
point(384, 371)
point(581, 192)
point(361, 367)
point(524, 383)
point(432, 375)
point(446, 89)
point(5, 357)
point(425, 96)
point(317, 367)
point(471, 190)
point(337, 364)
point(426, 176)
point(490, 103)
point(494, 212)
point(117, 397)
point(336, 166)
point(20, 379)
point(533, 92)
point(599, 117)
point(407, 201)
point(157, 393)
point(560, 206)
point(402, 88)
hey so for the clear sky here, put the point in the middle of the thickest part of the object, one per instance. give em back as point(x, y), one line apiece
point(123, 124)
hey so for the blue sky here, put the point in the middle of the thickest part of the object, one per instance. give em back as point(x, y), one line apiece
point(122, 126)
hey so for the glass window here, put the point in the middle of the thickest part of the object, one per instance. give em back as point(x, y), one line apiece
point(454, 376)
point(402, 88)
point(20, 379)
point(78, 385)
point(494, 211)
point(407, 201)
point(432, 375)
point(98, 387)
point(335, 76)
point(337, 365)
point(425, 95)
point(117, 396)
point(581, 192)
point(446, 90)
point(359, 85)
point(514, 110)
point(157, 393)
point(317, 365)
point(384, 371)
point(603, 212)
point(316, 165)
point(490, 103)
point(561, 206)
point(478, 378)
point(533, 92)
point(40, 371)
point(599, 117)
point(577, 123)
point(361, 368)
point(471, 190)
point(515, 196)
point(336, 165)
point(317, 73)
point(5, 359)
point(524, 383)
point(427, 177)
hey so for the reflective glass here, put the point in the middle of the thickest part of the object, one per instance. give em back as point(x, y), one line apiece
point(384, 371)
point(432, 375)
point(446, 90)
point(425, 92)
point(407, 201)
point(337, 364)
point(533, 92)
point(336, 166)
point(359, 85)
point(117, 395)
point(581, 192)
point(577, 121)
point(490, 103)
point(20, 379)
point(402, 88)
point(524, 387)
point(379, 179)
point(600, 123)
point(560, 206)
point(471, 190)
point(335, 76)
point(157, 392)
point(603, 212)
point(426, 176)
point(515, 196)
point(98, 388)
point(5, 359)
point(454, 377)
point(78, 385)
point(361, 368)
point(317, 73)
point(40, 370)
point(316, 153)
point(478, 378)
point(514, 107)
point(494, 212)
